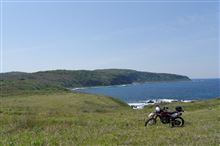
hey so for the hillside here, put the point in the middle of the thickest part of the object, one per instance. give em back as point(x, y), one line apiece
point(83, 119)
point(58, 80)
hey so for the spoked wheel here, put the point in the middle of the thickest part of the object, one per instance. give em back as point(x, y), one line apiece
point(150, 122)
point(177, 122)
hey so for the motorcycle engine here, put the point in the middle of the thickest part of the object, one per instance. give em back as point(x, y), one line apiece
point(165, 119)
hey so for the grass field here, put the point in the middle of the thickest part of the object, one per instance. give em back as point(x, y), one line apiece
point(83, 119)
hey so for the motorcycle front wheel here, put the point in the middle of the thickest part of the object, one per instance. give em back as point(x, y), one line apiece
point(150, 122)
point(177, 122)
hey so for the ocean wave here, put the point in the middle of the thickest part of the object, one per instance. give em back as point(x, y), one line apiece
point(74, 89)
point(141, 105)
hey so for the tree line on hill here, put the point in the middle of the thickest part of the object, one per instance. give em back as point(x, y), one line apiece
point(60, 80)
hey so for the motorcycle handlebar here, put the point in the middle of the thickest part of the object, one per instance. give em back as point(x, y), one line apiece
point(165, 108)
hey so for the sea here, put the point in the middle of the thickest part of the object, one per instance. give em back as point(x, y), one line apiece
point(139, 95)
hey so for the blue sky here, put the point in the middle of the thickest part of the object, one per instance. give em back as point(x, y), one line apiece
point(172, 37)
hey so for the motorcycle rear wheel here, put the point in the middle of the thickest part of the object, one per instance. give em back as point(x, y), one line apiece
point(177, 122)
point(150, 122)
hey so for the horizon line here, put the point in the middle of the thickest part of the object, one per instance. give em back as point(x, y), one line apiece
point(109, 1)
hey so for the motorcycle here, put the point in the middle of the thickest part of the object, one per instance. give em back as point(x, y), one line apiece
point(174, 119)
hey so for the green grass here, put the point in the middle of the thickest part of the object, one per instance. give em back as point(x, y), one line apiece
point(83, 119)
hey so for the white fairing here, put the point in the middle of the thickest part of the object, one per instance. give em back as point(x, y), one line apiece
point(151, 115)
point(157, 109)
point(174, 115)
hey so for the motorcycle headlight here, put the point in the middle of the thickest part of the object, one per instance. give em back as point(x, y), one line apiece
point(157, 109)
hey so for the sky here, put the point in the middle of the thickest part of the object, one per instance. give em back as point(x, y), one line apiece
point(169, 37)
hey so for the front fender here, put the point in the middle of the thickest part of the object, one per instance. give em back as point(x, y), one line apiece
point(152, 115)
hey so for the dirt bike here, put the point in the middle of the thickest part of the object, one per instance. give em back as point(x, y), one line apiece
point(174, 119)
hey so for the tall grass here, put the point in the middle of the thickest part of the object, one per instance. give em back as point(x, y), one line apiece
point(83, 119)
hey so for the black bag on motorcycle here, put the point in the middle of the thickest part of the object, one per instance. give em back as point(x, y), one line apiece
point(179, 109)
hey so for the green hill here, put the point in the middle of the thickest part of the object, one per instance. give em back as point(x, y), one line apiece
point(83, 119)
point(59, 80)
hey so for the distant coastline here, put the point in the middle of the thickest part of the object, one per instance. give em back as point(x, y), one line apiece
point(60, 80)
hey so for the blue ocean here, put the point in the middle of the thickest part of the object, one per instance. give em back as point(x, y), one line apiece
point(197, 89)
